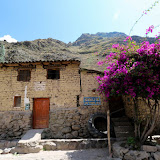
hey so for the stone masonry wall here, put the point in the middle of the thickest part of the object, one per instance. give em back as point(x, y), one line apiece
point(71, 122)
point(14, 124)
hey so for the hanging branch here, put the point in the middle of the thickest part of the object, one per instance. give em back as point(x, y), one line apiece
point(145, 12)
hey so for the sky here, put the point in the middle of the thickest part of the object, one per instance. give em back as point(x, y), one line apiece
point(66, 20)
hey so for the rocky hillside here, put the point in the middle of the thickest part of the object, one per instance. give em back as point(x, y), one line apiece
point(83, 48)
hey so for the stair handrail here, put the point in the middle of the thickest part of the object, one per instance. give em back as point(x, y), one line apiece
point(116, 111)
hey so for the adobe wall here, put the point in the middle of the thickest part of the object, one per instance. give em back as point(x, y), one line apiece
point(143, 110)
point(129, 107)
point(88, 84)
point(62, 92)
point(73, 122)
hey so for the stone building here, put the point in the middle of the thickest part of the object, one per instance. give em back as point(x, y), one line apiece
point(47, 94)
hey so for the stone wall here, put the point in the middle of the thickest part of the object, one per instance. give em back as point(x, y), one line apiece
point(63, 123)
point(71, 123)
point(14, 124)
point(123, 151)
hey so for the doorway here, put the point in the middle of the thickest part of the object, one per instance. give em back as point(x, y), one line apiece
point(116, 106)
point(41, 113)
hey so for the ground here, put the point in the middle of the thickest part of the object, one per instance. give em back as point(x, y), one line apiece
point(88, 154)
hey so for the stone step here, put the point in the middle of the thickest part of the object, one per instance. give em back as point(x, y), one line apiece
point(123, 129)
point(120, 119)
point(32, 135)
point(61, 144)
point(122, 123)
point(29, 142)
point(124, 134)
point(74, 144)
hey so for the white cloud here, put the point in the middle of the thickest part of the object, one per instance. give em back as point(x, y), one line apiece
point(8, 38)
point(116, 15)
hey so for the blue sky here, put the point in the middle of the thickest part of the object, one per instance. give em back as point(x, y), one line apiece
point(66, 20)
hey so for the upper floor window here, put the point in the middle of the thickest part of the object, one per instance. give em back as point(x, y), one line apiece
point(24, 75)
point(53, 74)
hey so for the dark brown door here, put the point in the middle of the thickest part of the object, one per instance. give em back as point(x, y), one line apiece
point(41, 113)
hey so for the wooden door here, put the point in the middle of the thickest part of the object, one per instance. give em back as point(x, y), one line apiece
point(41, 113)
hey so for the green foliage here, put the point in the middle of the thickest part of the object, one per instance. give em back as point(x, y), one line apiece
point(131, 141)
point(133, 144)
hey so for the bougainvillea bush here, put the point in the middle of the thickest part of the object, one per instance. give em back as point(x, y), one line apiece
point(134, 70)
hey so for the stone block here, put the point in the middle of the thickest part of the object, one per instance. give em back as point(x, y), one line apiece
point(119, 151)
point(68, 135)
point(75, 134)
point(62, 145)
point(76, 127)
point(136, 155)
point(2, 144)
point(1, 151)
point(7, 150)
point(73, 146)
point(13, 143)
point(66, 130)
point(148, 148)
point(49, 146)
point(27, 149)
point(158, 147)
point(156, 155)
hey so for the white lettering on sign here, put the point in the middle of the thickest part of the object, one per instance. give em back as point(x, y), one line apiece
point(39, 86)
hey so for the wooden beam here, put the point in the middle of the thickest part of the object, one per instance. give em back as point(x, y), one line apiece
point(108, 132)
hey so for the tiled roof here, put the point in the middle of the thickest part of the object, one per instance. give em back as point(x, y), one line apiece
point(9, 62)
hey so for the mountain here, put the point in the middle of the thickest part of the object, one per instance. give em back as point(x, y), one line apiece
point(99, 42)
point(87, 39)
point(84, 48)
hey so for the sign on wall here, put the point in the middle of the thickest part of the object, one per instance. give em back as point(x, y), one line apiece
point(39, 86)
point(88, 101)
point(27, 106)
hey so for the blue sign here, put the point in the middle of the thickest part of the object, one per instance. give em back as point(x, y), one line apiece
point(27, 106)
point(89, 101)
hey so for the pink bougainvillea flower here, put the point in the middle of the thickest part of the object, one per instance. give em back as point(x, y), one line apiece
point(145, 12)
point(128, 38)
point(100, 63)
point(133, 72)
point(150, 29)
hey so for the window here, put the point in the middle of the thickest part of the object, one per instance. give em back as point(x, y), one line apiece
point(24, 75)
point(17, 101)
point(53, 74)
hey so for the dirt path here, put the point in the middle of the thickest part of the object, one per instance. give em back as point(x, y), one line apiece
point(88, 154)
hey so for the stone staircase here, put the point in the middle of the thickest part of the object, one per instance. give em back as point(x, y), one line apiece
point(122, 127)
